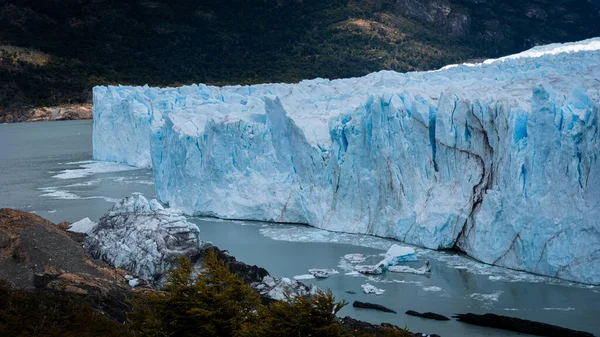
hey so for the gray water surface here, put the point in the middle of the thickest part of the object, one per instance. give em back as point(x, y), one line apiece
point(46, 168)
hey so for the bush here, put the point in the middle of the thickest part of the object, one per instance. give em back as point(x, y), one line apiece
point(48, 314)
point(217, 303)
point(214, 303)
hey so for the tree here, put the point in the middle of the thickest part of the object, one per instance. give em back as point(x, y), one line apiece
point(214, 303)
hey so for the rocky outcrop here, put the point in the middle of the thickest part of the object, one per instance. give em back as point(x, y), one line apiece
point(52, 113)
point(428, 315)
point(373, 306)
point(37, 254)
point(440, 12)
point(519, 325)
point(61, 112)
point(378, 330)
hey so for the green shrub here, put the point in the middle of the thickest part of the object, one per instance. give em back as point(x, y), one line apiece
point(48, 314)
point(214, 303)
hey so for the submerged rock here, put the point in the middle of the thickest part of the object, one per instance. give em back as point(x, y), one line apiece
point(519, 325)
point(367, 305)
point(380, 330)
point(429, 315)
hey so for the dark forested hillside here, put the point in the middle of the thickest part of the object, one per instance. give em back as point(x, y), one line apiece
point(54, 51)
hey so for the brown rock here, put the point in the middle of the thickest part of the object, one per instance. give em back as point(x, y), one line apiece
point(35, 253)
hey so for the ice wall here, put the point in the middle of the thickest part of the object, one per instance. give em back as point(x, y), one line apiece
point(497, 159)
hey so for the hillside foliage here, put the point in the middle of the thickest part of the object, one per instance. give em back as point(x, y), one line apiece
point(54, 51)
point(208, 302)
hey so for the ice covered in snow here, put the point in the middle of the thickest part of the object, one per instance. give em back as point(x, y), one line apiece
point(304, 277)
point(143, 238)
point(277, 288)
point(82, 226)
point(355, 258)
point(409, 270)
point(394, 255)
point(498, 159)
point(371, 289)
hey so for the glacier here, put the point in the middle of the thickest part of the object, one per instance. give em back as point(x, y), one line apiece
point(497, 159)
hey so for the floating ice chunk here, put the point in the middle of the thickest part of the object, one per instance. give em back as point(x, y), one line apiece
point(84, 225)
point(392, 257)
point(370, 270)
point(323, 273)
point(355, 258)
point(405, 269)
point(370, 289)
point(397, 254)
point(304, 277)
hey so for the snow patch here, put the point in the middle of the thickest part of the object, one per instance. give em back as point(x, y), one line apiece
point(84, 225)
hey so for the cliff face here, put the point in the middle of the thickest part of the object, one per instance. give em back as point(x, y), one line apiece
point(53, 52)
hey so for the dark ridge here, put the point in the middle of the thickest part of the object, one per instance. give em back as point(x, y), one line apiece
point(428, 315)
point(519, 325)
point(367, 305)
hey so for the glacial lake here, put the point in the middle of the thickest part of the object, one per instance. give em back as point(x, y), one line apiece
point(46, 168)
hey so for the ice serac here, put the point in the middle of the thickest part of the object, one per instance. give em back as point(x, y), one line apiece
point(498, 159)
point(143, 237)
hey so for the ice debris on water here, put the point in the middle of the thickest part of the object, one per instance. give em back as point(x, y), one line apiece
point(394, 255)
point(370, 289)
point(322, 273)
point(355, 258)
point(304, 277)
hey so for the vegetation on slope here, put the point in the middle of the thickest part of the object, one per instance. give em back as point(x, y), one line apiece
point(215, 302)
point(54, 51)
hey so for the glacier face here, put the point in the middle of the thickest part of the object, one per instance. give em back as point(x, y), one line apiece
point(498, 159)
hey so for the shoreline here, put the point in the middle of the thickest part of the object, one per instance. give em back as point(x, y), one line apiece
point(62, 112)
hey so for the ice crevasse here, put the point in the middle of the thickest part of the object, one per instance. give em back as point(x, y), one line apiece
point(498, 159)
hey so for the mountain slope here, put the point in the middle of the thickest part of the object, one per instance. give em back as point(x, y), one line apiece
point(52, 52)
